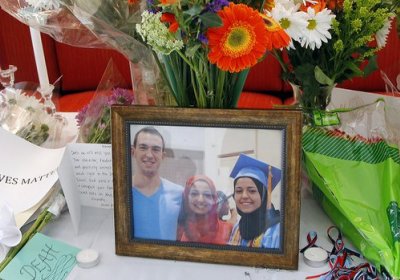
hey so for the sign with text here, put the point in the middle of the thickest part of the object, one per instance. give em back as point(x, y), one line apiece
point(41, 258)
point(27, 171)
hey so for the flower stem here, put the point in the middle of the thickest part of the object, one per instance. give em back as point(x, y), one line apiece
point(278, 56)
point(43, 219)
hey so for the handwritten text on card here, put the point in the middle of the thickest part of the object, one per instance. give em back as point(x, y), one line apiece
point(92, 165)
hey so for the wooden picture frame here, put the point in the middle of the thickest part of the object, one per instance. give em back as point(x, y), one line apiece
point(205, 141)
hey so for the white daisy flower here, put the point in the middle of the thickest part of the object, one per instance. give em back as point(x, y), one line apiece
point(317, 31)
point(30, 103)
point(382, 34)
point(289, 4)
point(294, 22)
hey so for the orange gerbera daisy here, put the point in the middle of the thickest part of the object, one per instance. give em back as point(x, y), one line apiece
point(240, 41)
point(335, 5)
point(269, 5)
point(318, 6)
point(168, 2)
point(171, 20)
point(277, 36)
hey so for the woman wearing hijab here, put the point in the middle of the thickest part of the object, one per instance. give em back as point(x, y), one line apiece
point(259, 224)
point(199, 220)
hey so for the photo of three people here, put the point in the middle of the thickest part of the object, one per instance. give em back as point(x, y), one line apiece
point(207, 185)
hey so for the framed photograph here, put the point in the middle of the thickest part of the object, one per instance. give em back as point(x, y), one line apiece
point(207, 185)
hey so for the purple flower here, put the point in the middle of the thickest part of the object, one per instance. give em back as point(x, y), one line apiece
point(80, 117)
point(203, 39)
point(216, 5)
point(120, 96)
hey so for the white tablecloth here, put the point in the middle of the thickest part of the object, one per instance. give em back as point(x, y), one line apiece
point(97, 232)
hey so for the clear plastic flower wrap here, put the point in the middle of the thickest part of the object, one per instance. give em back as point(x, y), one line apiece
point(54, 19)
point(25, 114)
point(92, 24)
point(29, 112)
point(392, 84)
point(94, 120)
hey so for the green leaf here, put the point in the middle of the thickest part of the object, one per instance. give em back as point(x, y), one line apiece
point(195, 10)
point(210, 20)
point(371, 66)
point(321, 77)
point(305, 74)
point(355, 69)
point(191, 50)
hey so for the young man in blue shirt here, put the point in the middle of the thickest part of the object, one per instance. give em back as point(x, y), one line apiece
point(156, 201)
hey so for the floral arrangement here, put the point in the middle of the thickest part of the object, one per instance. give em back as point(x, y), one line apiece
point(208, 46)
point(94, 120)
point(26, 116)
point(331, 41)
point(205, 48)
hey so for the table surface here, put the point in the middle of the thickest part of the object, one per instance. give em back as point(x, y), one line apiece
point(97, 232)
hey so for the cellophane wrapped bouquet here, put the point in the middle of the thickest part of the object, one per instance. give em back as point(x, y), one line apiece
point(28, 114)
point(94, 119)
point(92, 24)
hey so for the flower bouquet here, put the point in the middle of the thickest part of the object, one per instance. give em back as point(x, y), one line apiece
point(29, 113)
point(331, 41)
point(207, 47)
point(93, 24)
point(94, 120)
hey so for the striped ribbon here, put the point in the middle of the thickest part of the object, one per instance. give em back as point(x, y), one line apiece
point(334, 143)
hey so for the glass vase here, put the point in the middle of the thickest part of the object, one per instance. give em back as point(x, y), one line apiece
point(195, 82)
point(310, 99)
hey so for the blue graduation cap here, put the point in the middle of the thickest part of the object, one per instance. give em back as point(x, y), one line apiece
point(250, 167)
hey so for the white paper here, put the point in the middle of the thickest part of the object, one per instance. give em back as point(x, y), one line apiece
point(92, 167)
point(70, 189)
point(27, 171)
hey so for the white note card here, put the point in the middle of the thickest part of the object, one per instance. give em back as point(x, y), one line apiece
point(92, 166)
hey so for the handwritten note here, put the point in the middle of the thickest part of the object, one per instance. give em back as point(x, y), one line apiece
point(41, 258)
point(92, 165)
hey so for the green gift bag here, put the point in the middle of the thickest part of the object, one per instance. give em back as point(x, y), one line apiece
point(356, 179)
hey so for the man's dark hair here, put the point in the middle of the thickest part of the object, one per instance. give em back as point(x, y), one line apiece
point(149, 130)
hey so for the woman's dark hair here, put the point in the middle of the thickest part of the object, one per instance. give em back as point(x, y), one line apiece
point(255, 223)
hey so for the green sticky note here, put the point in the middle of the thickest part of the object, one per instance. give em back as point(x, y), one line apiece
point(41, 258)
point(324, 118)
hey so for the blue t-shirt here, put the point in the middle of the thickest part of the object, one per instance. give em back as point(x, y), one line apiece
point(156, 216)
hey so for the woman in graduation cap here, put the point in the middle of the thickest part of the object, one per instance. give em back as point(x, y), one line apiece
point(198, 220)
point(259, 224)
